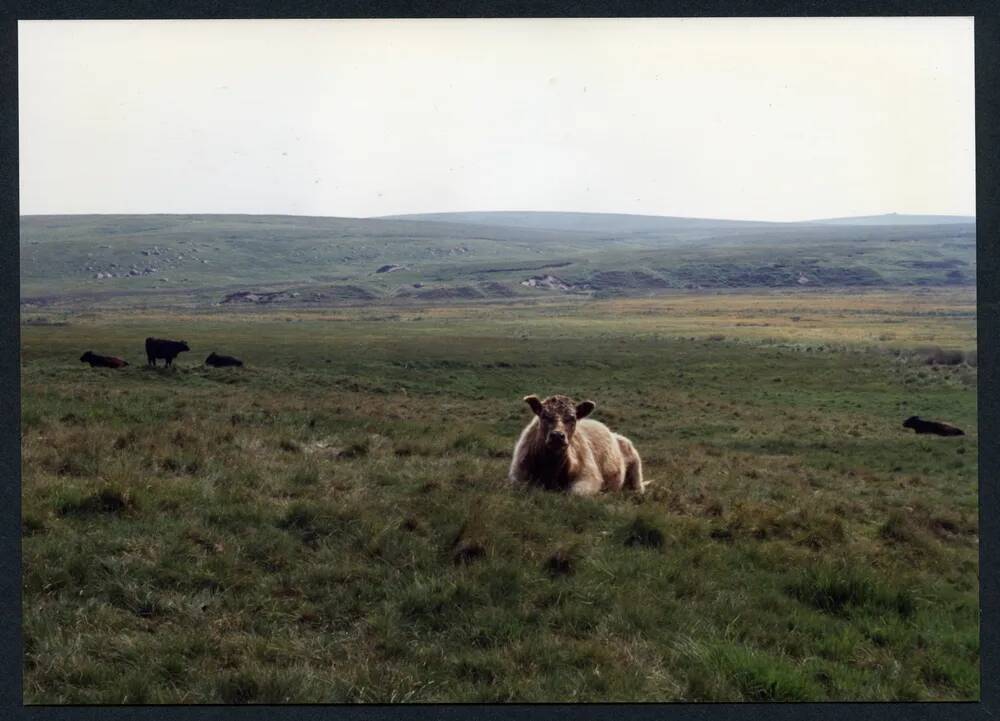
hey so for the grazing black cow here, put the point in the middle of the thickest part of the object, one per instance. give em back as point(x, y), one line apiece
point(166, 349)
point(221, 361)
point(938, 429)
point(102, 361)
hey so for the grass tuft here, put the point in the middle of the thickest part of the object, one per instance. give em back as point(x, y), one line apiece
point(644, 531)
point(105, 501)
point(845, 590)
point(561, 563)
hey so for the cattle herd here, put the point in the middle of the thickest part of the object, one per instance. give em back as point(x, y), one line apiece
point(157, 348)
point(559, 449)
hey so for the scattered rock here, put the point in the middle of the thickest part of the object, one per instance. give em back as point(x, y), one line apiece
point(246, 296)
point(331, 293)
point(547, 282)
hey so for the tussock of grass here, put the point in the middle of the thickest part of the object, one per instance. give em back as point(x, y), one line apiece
point(105, 501)
point(848, 589)
point(900, 528)
point(305, 476)
point(355, 450)
point(644, 531)
point(312, 522)
point(30, 525)
point(561, 563)
point(761, 678)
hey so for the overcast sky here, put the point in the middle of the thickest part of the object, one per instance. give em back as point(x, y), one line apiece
point(779, 119)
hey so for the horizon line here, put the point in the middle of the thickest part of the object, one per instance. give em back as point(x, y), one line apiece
point(392, 216)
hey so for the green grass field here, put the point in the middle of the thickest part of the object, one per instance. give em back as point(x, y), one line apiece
point(332, 523)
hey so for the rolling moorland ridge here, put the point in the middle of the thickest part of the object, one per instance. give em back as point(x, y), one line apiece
point(239, 260)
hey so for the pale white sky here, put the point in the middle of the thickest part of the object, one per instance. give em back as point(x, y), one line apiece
point(773, 119)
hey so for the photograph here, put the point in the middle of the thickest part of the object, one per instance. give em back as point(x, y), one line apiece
point(498, 360)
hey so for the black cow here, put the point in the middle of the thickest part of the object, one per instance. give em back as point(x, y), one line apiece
point(221, 361)
point(102, 361)
point(938, 429)
point(166, 349)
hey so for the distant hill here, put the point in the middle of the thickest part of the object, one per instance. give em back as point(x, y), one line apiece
point(625, 223)
point(897, 219)
point(201, 260)
point(585, 222)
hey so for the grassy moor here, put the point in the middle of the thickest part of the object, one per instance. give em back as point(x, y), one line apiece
point(332, 522)
point(407, 361)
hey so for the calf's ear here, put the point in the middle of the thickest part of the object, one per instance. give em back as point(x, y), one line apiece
point(585, 409)
point(536, 405)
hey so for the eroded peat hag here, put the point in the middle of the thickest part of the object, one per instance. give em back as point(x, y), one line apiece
point(333, 522)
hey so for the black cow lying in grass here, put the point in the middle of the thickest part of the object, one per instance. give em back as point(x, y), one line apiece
point(938, 429)
point(166, 349)
point(102, 361)
point(222, 361)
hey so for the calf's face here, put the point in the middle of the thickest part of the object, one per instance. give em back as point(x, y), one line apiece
point(557, 417)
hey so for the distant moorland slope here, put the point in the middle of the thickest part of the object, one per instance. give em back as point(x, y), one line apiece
point(254, 259)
